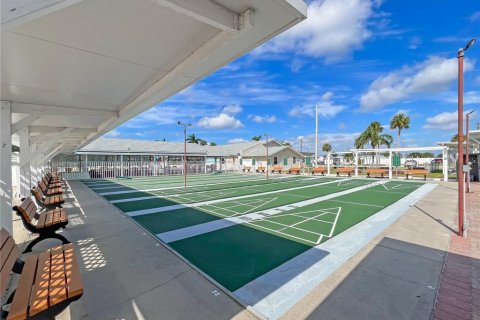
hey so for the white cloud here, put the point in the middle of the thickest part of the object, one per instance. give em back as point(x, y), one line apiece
point(431, 76)
point(222, 121)
point(232, 109)
point(237, 140)
point(333, 30)
point(112, 134)
point(414, 43)
point(475, 16)
point(442, 121)
point(326, 108)
point(339, 141)
point(262, 119)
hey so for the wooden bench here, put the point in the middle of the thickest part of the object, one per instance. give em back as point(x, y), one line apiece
point(47, 283)
point(372, 171)
point(294, 170)
point(277, 169)
point(245, 169)
point(52, 179)
point(347, 171)
point(51, 185)
point(45, 224)
point(51, 201)
point(260, 169)
point(321, 170)
point(416, 172)
point(49, 191)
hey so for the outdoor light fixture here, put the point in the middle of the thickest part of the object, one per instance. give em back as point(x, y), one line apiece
point(185, 125)
point(461, 170)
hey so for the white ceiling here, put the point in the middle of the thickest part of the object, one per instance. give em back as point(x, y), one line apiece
point(81, 68)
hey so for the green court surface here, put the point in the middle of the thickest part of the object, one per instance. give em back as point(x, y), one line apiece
point(271, 222)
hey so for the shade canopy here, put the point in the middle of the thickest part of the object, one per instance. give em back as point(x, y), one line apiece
point(73, 70)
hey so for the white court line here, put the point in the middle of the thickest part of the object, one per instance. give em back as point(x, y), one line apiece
point(309, 269)
point(181, 187)
point(198, 204)
point(359, 203)
point(198, 229)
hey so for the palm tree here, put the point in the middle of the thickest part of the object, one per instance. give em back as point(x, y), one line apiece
point(348, 157)
point(373, 135)
point(257, 138)
point(327, 147)
point(213, 144)
point(192, 138)
point(400, 121)
point(202, 142)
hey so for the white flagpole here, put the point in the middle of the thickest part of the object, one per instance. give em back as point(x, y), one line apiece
point(316, 134)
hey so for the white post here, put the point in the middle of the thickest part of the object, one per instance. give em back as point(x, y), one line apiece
point(25, 182)
point(445, 164)
point(390, 176)
point(316, 138)
point(356, 163)
point(121, 166)
point(6, 166)
point(328, 163)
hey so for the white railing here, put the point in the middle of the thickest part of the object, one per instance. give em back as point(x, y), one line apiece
point(72, 170)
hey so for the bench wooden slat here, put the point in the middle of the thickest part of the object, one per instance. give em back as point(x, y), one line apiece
point(3, 237)
point(40, 290)
point(8, 255)
point(63, 215)
point(19, 306)
point(74, 282)
point(58, 289)
point(31, 209)
point(42, 220)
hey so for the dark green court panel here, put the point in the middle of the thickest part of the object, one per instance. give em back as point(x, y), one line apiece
point(173, 220)
point(236, 255)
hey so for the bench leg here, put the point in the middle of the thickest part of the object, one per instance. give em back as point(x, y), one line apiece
point(425, 178)
point(368, 175)
point(43, 237)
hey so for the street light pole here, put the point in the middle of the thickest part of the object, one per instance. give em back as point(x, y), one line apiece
point(460, 177)
point(267, 136)
point(467, 160)
point(185, 125)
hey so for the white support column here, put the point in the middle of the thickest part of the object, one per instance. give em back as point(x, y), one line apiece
point(356, 163)
point(445, 164)
point(25, 176)
point(122, 170)
point(33, 164)
point(328, 164)
point(390, 175)
point(5, 166)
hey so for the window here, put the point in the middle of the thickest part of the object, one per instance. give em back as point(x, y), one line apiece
point(275, 160)
point(294, 160)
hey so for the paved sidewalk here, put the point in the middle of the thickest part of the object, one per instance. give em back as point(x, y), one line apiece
point(459, 291)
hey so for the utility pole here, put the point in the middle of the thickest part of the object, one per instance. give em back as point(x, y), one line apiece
point(185, 125)
point(267, 136)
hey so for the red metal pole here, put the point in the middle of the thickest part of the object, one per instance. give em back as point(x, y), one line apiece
point(185, 157)
point(460, 177)
point(467, 160)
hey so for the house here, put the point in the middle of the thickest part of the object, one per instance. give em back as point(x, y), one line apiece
point(278, 155)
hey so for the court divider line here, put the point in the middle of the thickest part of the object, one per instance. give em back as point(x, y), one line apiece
point(199, 229)
point(179, 195)
point(198, 204)
point(178, 187)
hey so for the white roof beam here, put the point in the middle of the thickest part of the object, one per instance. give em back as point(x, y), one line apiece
point(25, 122)
point(46, 130)
point(206, 11)
point(39, 109)
point(52, 153)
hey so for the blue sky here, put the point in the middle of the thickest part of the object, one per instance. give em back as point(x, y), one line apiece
point(358, 60)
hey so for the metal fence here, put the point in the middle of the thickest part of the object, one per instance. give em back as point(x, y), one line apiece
point(72, 170)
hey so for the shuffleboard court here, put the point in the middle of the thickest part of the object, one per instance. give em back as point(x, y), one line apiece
point(236, 229)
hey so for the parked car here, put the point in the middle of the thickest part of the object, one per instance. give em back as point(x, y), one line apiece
point(411, 164)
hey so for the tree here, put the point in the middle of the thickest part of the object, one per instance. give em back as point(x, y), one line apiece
point(327, 147)
point(213, 144)
point(400, 121)
point(455, 138)
point(373, 135)
point(202, 142)
point(348, 157)
point(257, 138)
point(192, 138)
